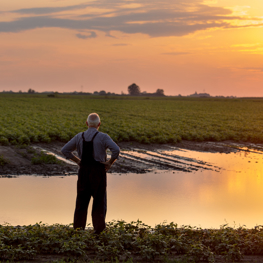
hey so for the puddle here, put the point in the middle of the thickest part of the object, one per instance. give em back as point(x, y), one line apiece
point(186, 187)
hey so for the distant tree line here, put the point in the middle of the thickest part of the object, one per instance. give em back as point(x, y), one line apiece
point(133, 90)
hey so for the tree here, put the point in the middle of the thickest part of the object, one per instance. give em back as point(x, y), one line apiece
point(159, 92)
point(102, 92)
point(31, 91)
point(134, 90)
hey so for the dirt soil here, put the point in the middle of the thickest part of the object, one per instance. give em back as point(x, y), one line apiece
point(134, 157)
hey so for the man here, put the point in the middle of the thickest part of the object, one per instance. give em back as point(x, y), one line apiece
point(91, 146)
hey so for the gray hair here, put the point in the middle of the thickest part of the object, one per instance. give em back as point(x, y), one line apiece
point(93, 120)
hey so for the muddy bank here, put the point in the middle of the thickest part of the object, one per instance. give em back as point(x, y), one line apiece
point(134, 157)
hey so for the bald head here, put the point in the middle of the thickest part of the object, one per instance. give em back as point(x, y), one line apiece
point(93, 120)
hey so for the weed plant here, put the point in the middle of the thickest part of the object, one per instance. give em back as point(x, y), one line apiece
point(131, 242)
point(44, 158)
point(3, 161)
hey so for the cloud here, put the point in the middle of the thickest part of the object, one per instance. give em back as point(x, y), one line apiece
point(109, 35)
point(92, 35)
point(176, 53)
point(48, 10)
point(106, 24)
point(154, 19)
point(246, 45)
point(209, 2)
point(254, 69)
point(255, 48)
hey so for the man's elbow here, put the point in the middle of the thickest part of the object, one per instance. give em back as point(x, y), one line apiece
point(65, 153)
point(117, 152)
point(118, 149)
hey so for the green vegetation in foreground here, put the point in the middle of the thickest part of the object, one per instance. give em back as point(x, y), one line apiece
point(131, 241)
point(145, 120)
point(3, 161)
point(44, 158)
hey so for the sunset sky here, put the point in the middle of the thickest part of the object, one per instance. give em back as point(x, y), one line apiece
point(181, 46)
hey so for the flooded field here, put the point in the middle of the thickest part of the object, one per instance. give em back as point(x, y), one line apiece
point(188, 187)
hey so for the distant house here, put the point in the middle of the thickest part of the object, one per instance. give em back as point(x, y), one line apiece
point(200, 95)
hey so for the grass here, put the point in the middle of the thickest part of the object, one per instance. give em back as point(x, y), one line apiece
point(3, 161)
point(44, 158)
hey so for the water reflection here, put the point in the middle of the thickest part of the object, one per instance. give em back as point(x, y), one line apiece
point(203, 198)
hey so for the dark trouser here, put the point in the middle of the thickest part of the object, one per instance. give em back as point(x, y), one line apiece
point(91, 182)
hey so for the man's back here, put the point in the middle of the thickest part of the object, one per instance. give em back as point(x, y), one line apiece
point(101, 143)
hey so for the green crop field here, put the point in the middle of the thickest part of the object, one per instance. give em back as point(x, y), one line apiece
point(28, 118)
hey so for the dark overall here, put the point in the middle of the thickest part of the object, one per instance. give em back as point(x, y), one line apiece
point(91, 182)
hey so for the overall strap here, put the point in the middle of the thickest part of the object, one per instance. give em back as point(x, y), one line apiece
point(92, 137)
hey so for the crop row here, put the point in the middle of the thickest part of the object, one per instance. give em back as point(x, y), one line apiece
point(26, 119)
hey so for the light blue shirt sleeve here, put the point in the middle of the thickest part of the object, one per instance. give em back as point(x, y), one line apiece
point(112, 146)
point(69, 147)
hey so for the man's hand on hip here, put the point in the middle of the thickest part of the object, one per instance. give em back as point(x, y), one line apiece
point(76, 160)
point(108, 164)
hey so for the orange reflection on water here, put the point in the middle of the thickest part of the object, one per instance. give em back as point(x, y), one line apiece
point(204, 198)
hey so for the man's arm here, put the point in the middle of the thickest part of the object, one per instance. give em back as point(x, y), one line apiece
point(68, 148)
point(115, 151)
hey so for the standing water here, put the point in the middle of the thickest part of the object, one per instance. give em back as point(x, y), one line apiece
point(230, 192)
